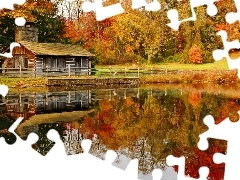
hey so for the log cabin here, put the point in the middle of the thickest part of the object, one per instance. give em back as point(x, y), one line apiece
point(39, 59)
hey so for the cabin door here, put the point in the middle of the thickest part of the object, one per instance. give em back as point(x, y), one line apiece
point(20, 61)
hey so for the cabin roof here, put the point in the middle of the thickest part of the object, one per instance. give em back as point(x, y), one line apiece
point(55, 49)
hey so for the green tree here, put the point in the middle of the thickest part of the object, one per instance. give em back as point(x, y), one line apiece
point(7, 25)
point(50, 27)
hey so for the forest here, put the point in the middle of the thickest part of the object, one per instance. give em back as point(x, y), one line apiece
point(133, 37)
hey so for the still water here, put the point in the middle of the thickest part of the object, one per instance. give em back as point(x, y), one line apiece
point(148, 123)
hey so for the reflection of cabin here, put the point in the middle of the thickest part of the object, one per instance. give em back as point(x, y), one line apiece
point(1, 62)
point(27, 105)
point(36, 58)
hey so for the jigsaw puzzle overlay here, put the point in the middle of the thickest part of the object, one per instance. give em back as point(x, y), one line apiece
point(90, 167)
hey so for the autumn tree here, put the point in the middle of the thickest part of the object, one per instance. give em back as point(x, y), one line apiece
point(139, 36)
point(90, 33)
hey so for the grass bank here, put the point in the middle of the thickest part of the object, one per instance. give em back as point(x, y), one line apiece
point(30, 84)
point(217, 65)
point(194, 77)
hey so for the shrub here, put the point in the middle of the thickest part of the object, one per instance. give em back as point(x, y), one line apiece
point(175, 58)
point(195, 55)
point(207, 57)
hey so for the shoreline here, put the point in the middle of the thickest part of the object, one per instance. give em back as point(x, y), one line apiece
point(194, 77)
point(220, 77)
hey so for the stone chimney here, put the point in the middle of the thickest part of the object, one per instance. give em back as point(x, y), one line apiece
point(28, 32)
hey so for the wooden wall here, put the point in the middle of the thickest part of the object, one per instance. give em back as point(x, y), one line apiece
point(23, 57)
point(53, 65)
point(59, 65)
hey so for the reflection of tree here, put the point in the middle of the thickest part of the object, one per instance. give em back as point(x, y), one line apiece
point(155, 126)
point(125, 124)
point(149, 128)
point(194, 99)
point(71, 139)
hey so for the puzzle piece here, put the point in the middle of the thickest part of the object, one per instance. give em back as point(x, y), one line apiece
point(174, 16)
point(180, 162)
point(228, 131)
point(231, 17)
point(44, 144)
point(153, 6)
point(9, 3)
point(102, 12)
point(224, 53)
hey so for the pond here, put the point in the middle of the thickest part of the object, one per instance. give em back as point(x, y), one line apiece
point(148, 123)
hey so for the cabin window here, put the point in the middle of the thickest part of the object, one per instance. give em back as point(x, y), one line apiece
point(84, 63)
point(61, 63)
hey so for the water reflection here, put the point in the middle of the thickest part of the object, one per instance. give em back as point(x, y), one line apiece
point(147, 123)
point(6, 122)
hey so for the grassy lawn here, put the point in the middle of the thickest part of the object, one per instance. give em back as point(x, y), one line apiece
point(132, 69)
point(217, 65)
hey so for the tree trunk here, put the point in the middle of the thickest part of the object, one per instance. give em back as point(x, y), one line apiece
point(149, 59)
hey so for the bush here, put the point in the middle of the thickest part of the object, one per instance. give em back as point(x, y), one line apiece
point(195, 55)
point(207, 57)
point(172, 59)
point(158, 58)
